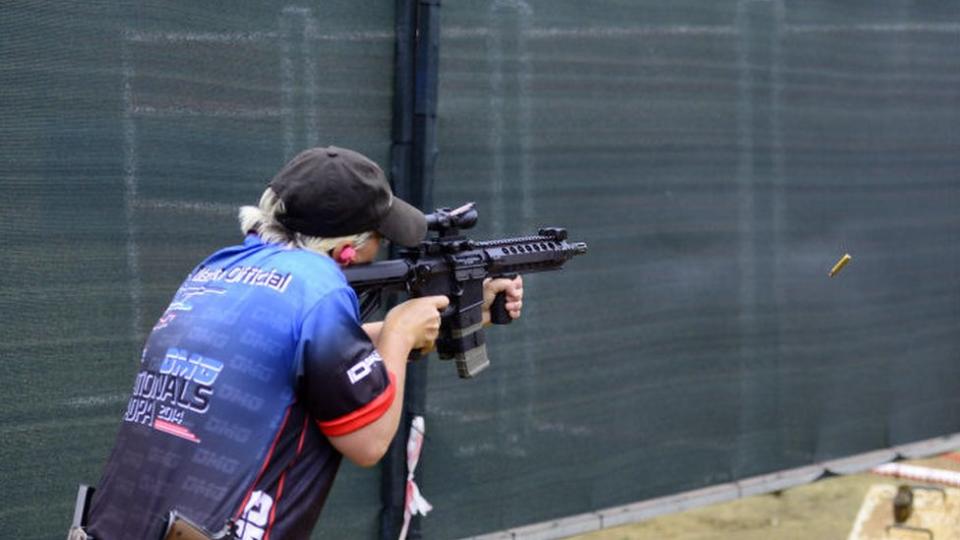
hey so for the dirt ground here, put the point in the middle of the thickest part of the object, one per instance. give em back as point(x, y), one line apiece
point(823, 510)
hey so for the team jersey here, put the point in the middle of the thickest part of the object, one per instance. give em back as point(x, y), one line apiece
point(259, 357)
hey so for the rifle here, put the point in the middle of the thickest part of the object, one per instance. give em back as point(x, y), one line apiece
point(449, 263)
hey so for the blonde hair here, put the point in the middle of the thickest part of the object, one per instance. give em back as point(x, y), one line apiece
point(261, 220)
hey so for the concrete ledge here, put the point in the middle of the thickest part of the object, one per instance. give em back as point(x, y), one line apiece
point(860, 462)
point(930, 447)
point(747, 487)
point(501, 535)
point(639, 511)
point(579, 524)
point(779, 480)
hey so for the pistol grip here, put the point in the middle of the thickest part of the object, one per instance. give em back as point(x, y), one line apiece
point(498, 310)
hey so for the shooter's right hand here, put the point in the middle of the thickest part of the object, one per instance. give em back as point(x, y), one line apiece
point(418, 319)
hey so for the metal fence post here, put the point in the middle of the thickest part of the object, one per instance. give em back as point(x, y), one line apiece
point(413, 156)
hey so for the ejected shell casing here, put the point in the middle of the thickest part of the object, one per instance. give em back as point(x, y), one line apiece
point(840, 264)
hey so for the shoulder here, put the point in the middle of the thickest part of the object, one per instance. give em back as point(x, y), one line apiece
point(318, 275)
point(294, 273)
point(313, 269)
point(316, 281)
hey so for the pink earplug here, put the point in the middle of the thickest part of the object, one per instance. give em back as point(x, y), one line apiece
point(347, 254)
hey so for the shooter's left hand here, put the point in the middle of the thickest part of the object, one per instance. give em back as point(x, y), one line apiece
point(514, 291)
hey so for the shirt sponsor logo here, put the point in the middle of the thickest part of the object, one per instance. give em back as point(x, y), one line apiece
point(181, 302)
point(363, 368)
point(183, 383)
point(215, 461)
point(260, 341)
point(246, 400)
point(170, 460)
point(246, 275)
point(203, 488)
point(234, 432)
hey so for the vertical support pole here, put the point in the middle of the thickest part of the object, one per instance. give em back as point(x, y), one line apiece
point(425, 106)
point(760, 207)
point(413, 157)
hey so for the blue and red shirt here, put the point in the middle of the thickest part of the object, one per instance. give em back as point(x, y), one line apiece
point(259, 357)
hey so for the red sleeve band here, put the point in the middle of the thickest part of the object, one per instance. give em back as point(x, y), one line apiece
point(363, 416)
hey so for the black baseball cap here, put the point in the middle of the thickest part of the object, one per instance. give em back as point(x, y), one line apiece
point(331, 192)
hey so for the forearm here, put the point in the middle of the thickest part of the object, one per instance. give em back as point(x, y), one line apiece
point(367, 445)
point(412, 324)
point(395, 352)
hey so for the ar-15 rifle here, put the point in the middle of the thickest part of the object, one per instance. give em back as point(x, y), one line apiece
point(453, 265)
